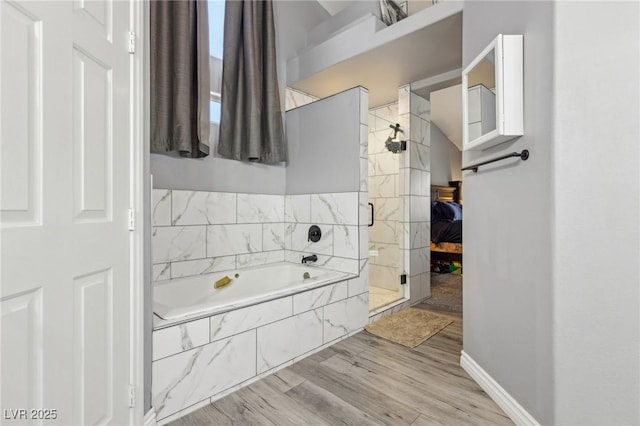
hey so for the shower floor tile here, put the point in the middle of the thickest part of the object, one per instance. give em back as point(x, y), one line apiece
point(379, 297)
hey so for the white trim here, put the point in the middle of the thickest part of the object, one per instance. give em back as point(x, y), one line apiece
point(150, 418)
point(509, 405)
point(138, 206)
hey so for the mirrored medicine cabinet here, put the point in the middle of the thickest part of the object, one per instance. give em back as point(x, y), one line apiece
point(492, 95)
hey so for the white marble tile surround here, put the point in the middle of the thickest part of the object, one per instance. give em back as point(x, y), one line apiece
point(197, 232)
point(204, 359)
point(338, 216)
point(416, 182)
point(190, 371)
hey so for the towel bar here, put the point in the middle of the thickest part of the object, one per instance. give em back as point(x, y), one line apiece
point(524, 155)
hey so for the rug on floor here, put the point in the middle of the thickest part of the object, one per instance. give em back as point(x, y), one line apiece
point(446, 292)
point(409, 327)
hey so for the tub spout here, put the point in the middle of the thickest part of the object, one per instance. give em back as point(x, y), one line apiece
point(312, 258)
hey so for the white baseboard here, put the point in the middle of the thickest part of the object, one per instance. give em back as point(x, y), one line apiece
point(510, 406)
point(150, 418)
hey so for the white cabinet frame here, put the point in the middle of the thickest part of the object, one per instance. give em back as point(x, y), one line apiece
point(509, 91)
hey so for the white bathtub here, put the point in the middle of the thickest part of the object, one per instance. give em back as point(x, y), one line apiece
point(192, 297)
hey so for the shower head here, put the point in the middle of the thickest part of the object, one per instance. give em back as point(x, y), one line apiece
point(396, 129)
point(395, 146)
point(392, 146)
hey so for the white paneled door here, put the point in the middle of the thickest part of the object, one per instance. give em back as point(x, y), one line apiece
point(65, 194)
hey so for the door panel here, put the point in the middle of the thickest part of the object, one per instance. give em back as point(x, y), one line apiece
point(93, 347)
point(92, 139)
point(65, 179)
point(21, 329)
point(21, 119)
point(97, 14)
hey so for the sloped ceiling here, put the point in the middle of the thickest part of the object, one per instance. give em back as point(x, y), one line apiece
point(427, 52)
point(446, 112)
point(335, 6)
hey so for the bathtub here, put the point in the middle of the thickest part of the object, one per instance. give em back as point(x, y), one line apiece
point(188, 298)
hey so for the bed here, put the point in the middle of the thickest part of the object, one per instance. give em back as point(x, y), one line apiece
point(446, 225)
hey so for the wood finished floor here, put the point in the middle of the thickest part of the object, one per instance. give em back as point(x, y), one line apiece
point(363, 380)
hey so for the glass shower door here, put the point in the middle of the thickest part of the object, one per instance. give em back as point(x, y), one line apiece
point(385, 209)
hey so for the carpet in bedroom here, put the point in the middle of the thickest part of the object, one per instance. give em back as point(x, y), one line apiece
point(446, 292)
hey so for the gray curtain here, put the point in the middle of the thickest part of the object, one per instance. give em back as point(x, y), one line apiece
point(251, 118)
point(180, 77)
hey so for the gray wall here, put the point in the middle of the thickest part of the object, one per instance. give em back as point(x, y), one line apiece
point(446, 158)
point(596, 159)
point(324, 148)
point(508, 303)
point(212, 173)
point(549, 313)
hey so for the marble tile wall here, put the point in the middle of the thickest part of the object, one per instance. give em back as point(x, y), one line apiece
point(200, 361)
point(416, 183)
point(196, 232)
point(337, 215)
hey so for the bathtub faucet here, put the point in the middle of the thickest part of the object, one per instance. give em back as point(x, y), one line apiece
point(312, 258)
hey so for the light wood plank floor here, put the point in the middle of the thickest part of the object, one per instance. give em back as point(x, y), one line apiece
point(363, 380)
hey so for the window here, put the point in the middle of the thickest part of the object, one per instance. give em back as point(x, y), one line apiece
point(216, 35)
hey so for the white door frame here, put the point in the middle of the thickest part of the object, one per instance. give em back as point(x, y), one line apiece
point(47, 46)
point(139, 207)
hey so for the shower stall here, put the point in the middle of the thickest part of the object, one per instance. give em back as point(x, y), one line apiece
point(399, 204)
point(386, 136)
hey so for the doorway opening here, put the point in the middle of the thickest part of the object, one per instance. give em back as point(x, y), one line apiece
point(446, 195)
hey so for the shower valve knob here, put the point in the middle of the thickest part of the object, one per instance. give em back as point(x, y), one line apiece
point(314, 233)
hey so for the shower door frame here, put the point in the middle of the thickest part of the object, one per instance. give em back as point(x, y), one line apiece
point(414, 202)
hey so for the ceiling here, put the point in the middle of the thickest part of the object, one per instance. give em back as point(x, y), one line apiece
point(335, 6)
point(429, 51)
point(446, 112)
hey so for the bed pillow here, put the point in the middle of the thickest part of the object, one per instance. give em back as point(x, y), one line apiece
point(457, 210)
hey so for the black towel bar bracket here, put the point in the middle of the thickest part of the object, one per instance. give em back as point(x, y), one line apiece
point(524, 156)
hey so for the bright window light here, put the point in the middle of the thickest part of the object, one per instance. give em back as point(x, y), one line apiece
point(216, 44)
point(216, 27)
